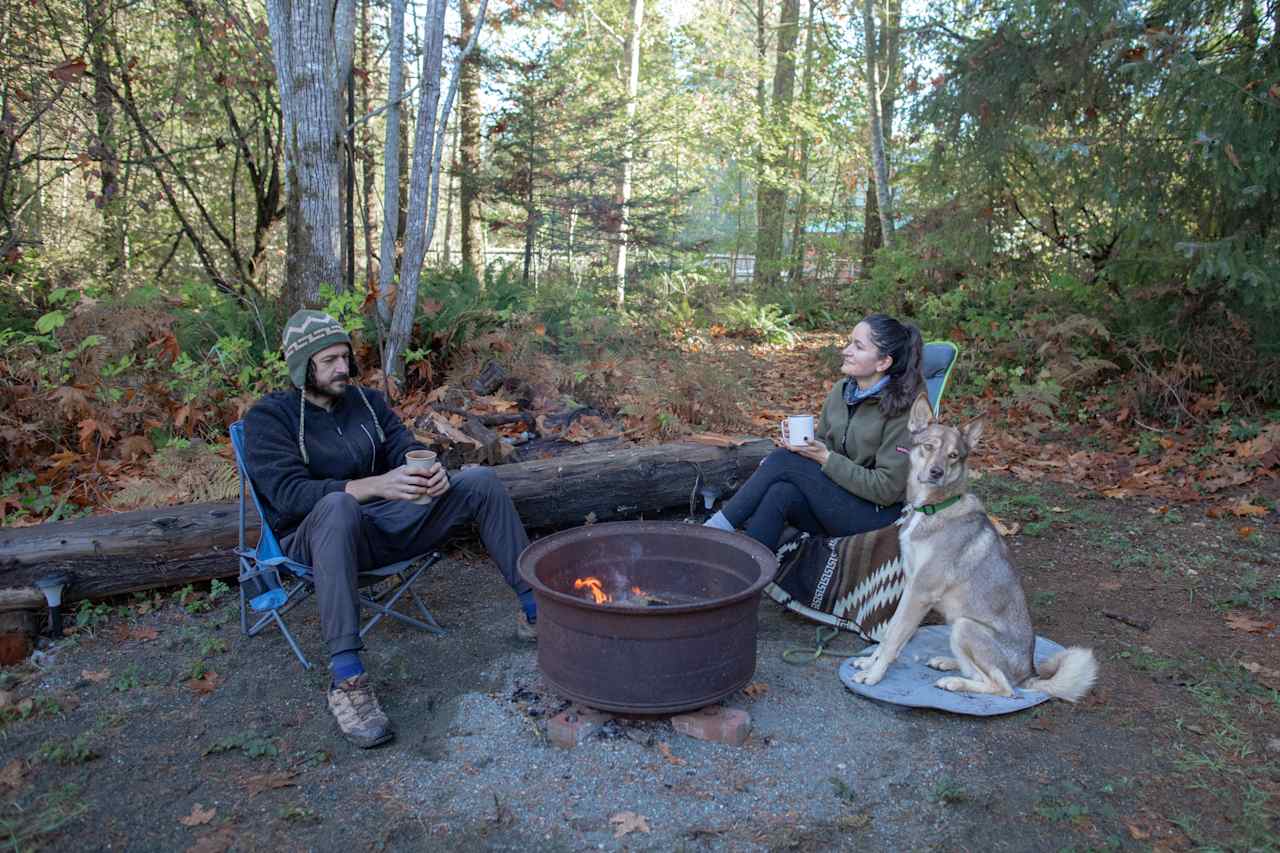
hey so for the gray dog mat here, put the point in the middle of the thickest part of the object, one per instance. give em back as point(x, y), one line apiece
point(909, 682)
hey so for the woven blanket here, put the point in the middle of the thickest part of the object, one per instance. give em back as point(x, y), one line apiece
point(851, 582)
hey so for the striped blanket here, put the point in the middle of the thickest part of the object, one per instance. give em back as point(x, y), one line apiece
point(851, 582)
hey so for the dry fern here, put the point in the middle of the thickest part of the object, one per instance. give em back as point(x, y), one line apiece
point(194, 474)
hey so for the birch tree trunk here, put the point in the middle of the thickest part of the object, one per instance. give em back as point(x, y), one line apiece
point(311, 67)
point(368, 216)
point(424, 182)
point(391, 168)
point(878, 158)
point(623, 193)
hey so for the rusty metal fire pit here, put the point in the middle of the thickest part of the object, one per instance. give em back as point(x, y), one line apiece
point(675, 626)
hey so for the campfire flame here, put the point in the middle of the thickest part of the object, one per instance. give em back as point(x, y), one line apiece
point(592, 585)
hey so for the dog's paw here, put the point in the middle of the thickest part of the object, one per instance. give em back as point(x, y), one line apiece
point(954, 685)
point(869, 677)
point(943, 664)
point(866, 662)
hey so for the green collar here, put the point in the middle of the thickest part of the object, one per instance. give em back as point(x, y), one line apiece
point(930, 509)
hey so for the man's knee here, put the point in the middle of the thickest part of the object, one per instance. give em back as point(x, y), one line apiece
point(337, 511)
point(480, 481)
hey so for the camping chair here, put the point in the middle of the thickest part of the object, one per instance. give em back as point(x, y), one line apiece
point(939, 359)
point(264, 591)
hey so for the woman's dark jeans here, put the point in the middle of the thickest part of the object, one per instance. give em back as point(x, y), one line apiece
point(789, 489)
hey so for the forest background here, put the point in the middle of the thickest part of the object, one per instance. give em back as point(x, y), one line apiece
point(601, 196)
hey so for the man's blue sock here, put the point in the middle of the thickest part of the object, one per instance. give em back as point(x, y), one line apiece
point(345, 665)
point(529, 606)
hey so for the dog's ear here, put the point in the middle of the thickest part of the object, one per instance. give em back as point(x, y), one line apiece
point(921, 414)
point(973, 431)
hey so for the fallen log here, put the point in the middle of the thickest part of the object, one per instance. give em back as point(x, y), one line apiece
point(134, 551)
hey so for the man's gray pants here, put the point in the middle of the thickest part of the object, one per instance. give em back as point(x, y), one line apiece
point(341, 537)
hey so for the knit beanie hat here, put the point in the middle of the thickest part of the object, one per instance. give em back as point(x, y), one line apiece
point(306, 333)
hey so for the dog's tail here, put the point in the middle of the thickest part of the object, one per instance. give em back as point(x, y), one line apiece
point(1067, 675)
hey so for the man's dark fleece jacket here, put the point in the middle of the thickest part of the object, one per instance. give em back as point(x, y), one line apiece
point(342, 445)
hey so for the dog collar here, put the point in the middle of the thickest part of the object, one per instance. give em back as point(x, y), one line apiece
point(930, 509)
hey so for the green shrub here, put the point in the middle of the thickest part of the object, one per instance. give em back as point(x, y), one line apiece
point(746, 318)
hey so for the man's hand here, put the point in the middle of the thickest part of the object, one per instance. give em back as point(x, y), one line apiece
point(815, 450)
point(401, 484)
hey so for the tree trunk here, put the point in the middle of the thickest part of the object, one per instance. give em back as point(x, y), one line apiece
point(879, 159)
point(773, 193)
point(622, 194)
point(111, 238)
point(448, 201)
point(392, 163)
point(469, 149)
point(310, 74)
point(802, 168)
point(368, 215)
point(127, 552)
point(762, 120)
point(424, 182)
point(889, 56)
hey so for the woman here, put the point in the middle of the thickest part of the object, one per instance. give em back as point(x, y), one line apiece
point(852, 478)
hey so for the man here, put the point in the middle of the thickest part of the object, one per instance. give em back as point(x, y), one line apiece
point(327, 459)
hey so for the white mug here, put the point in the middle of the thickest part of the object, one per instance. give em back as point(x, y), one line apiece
point(423, 460)
point(797, 429)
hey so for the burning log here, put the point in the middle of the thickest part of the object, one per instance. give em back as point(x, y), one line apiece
point(134, 551)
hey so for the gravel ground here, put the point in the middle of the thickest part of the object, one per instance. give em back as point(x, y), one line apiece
point(119, 751)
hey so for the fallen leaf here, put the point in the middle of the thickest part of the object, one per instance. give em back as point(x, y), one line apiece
point(216, 842)
point(756, 689)
point(270, 781)
point(1138, 833)
point(1241, 621)
point(1110, 586)
point(1266, 676)
point(628, 822)
point(207, 684)
point(1244, 531)
point(144, 634)
point(13, 775)
point(665, 749)
point(95, 677)
point(198, 817)
point(1244, 509)
point(1004, 528)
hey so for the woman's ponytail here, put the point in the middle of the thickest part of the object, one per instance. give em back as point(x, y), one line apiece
point(902, 342)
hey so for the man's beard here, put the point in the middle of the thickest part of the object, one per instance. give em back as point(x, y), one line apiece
point(328, 389)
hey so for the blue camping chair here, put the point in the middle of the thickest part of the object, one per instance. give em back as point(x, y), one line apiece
point(939, 359)
point(270, 595)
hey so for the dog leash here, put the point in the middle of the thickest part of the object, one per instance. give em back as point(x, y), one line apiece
point(824, 635)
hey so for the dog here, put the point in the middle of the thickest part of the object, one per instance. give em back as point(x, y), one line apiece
point(956, 563)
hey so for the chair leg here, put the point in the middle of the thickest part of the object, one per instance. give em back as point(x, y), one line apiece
point(406, 582)
point(293, 644)
point(298, 593)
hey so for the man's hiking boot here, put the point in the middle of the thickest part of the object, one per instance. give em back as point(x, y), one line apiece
point(526, 631)
point(358, 714)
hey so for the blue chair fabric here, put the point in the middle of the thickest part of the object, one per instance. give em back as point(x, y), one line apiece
point(939, 359)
